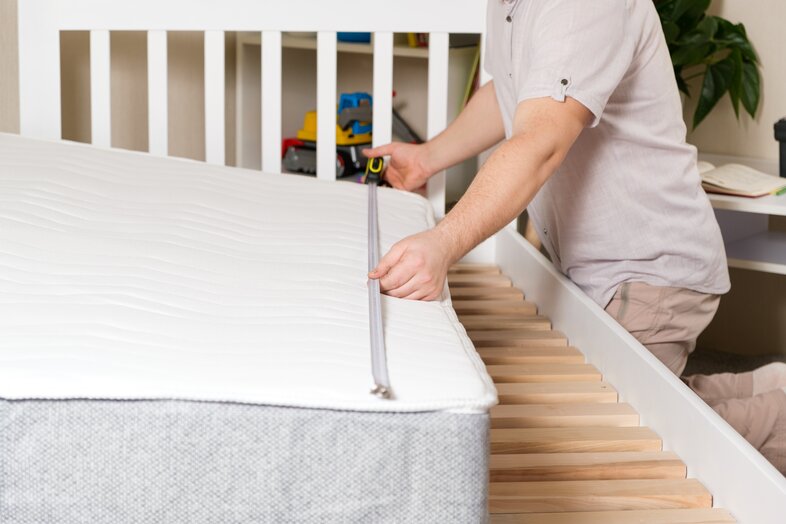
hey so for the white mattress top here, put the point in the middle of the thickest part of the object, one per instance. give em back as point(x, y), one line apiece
point(126, 276)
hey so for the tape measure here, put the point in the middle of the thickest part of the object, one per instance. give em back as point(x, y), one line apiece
point(379, 366)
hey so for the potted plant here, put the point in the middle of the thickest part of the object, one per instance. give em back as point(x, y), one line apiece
point(713, 49)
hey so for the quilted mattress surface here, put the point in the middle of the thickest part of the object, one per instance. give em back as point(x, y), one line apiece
point(126, 276)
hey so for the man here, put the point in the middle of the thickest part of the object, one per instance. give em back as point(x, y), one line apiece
point(585, 98)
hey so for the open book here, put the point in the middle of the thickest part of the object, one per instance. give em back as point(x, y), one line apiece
point(736, 179)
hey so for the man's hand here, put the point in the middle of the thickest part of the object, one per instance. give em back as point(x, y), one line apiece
point(416, 267)
point(408, 167)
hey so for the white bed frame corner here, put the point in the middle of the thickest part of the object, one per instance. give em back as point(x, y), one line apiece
point(738, 476)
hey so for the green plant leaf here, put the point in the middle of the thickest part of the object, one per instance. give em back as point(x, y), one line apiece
point(708, 26)
point(670, 30)
point(691, 8)
point(751, 87)
point(716, 82)
point(736, 85)
point(688, 55)
point(732, 35)
point(716, 49)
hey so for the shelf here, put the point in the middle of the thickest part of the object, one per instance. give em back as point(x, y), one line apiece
point(766, 205)
point(765, 251)
point(301, 42)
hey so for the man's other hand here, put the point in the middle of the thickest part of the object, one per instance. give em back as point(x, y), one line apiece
point(415, 268)
point(408, 167)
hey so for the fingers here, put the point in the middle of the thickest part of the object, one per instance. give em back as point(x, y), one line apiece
point(418, 294)
point(399, 275)
point(388, 261)
point(428, 290)
point(413, 269)
point(378, 151)
point(409, 279)
point(394, 178)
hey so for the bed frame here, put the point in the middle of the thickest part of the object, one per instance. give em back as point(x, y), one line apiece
point(739, 478)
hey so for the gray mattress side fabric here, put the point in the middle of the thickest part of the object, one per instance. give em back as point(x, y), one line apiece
point(173, 462)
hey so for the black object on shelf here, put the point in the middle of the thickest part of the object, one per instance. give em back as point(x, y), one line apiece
point(780, 136)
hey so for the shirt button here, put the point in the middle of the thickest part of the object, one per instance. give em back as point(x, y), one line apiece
point(545, 232)
point(508, 18)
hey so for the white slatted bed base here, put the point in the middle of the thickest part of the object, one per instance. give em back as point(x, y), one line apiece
point(739, 478)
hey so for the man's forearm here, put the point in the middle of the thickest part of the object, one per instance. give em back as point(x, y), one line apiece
point(477, 128)
point(543, 132)
point(501, 190)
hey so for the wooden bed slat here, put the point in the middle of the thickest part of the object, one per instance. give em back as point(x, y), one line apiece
point(491, 322)
point(531, 355)
point(517, 337)
point(555, 392)
point(214, 97)
point(573, 440)
point(475, 280)
point(586, 466)
point(271, 101)
point(474, 268)
point(100, 99)
point(654, 516)
point(544, 373)
point(157, 93)
point(597, 495)
point(484, 292)
point(489, 307)
point(563, 415)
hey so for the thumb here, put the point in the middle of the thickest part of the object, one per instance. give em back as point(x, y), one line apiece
point(388, 261)
point(378, 151)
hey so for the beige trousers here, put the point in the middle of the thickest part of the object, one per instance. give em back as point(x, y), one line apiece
point(667, 321)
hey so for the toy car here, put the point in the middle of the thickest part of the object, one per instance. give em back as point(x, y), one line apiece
point(353, 134)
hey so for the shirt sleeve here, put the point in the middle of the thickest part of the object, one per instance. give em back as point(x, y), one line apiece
point(579, 49)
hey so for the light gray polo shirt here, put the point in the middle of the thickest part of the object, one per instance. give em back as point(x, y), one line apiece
point(627, 202)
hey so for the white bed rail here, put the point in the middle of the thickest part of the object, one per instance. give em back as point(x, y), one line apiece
point(41, 21)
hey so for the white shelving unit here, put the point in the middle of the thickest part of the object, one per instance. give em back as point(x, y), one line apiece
point(750, 244)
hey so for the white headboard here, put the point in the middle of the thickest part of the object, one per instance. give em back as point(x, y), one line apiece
point(41, 21)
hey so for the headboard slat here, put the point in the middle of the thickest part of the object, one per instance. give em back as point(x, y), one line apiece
point(326, 105)
point(39, 71)
point(271, 101)
point(383, 87)
point(437, 109)
point(214, 97)
point(100, 101)
point(157, 103)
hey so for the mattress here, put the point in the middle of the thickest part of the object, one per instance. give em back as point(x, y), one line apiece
point(181, 342)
